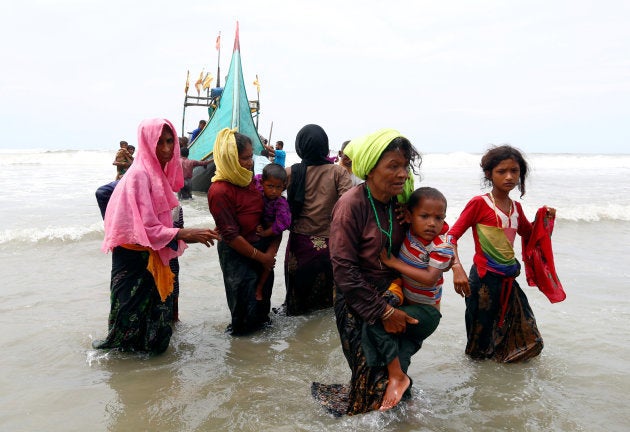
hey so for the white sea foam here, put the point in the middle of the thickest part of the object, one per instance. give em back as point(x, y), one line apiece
point(49, 195)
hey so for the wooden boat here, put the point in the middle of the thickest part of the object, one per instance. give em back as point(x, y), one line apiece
point(228, 106)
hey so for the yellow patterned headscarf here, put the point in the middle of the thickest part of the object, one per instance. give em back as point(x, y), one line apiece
point(364, 152)
point(226, 160)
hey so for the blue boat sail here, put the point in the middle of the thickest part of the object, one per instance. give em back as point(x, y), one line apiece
point(233, 110)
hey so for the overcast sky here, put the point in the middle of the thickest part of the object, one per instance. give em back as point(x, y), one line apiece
point(543, 75)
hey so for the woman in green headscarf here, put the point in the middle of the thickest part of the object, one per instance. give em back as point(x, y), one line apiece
point(364, 224)
point(237, 207)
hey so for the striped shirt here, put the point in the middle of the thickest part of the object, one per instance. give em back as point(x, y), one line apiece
point(437, 253)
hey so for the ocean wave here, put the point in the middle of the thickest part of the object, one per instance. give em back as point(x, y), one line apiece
point(78, 233)
point(73, 233)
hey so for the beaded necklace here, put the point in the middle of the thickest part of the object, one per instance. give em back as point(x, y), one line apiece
point(388, 234)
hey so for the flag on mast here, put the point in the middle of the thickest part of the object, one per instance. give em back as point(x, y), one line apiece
point(207, 81)
point(257, 84)
point(187, 82)
point(199, 83)
point(218, 43)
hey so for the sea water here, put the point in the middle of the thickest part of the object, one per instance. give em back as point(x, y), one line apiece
point(55, 301)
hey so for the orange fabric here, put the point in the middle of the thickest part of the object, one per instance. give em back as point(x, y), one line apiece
point(162, 274)
point(396, 288)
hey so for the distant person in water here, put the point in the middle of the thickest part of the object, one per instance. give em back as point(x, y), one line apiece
point(195, 133)
point(346, 162)
point(140, 234)
point(123, 160)
point(187, 167)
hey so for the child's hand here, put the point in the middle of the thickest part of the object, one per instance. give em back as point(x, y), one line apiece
point(388, 261)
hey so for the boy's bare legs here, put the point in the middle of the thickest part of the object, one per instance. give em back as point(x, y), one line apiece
point(398, 383)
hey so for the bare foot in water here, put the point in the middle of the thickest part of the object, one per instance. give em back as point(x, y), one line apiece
point(396, 387)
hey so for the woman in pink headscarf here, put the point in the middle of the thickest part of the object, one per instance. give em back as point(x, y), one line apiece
point(139, 231)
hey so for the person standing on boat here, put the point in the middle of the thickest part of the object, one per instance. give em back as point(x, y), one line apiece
point(315, 185)
point(140, 234)
point(195, 133)
point(278, 154)
point(237, 207)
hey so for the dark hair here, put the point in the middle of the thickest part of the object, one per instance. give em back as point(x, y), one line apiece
point(184, 152)
point(423, 193)
point(273, 170)
point(497, 154)
point(242, 141)
point(343, 145)
point(280, 143)
point(131, 147)
point(409, 151)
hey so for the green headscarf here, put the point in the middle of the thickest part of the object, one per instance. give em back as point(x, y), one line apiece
point(364, 152)
point(226, 160)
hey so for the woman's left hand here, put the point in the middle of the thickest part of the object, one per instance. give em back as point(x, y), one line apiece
point(401, 212)
point(397, 322)
point(205, 236)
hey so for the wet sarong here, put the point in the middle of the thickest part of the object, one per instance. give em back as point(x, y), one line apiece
point(368, 383)
point(500, 324)
point(138, 319)
point(240, 276)
point(308, 274)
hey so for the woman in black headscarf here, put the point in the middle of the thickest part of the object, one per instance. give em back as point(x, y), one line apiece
point(315, 185)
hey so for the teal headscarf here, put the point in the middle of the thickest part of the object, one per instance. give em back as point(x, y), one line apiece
point(364, 152)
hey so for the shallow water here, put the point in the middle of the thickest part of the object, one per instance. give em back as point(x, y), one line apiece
point(55, 300)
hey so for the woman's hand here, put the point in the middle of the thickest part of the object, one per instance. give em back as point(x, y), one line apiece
point(551, 212)
point(460, 280)
point(205, 236)
point(397, 322)
point(267, 259)
point(401, 212)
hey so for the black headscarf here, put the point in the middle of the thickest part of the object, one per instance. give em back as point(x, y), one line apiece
point(311, 145)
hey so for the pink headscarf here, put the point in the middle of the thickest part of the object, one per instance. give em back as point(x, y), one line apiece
point(139, 211)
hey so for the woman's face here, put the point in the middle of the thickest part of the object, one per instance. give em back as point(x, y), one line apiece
point(387, 179)
point(165, 146)
point(246, 157)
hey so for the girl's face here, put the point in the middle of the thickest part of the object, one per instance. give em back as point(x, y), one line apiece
point(387, 179)
point(165, 147)
point(246, 157)
point(272, 188)
point(427, 218)
point(505, 176)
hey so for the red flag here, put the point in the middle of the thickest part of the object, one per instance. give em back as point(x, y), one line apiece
point(218, 44)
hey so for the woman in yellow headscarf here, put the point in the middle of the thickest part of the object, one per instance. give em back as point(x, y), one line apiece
point(364, 224)
point(237, 207)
